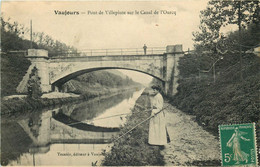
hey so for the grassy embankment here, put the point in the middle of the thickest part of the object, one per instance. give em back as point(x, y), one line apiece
point(133, 148)
point(13, 68)
point(227, 101)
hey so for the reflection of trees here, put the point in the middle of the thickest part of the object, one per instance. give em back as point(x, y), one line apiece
point(92, 108)
point(14, 139)
point(34, 123)
point(14, 142)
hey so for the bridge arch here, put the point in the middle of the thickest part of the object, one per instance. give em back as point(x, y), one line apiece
point(65, 78)
point(64, 69)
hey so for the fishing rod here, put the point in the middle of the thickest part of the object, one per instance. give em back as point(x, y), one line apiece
point(107, 116)
point(110, 116)
point(99, 118)
point(140, 123)
point(135, 126)
point(117, 114)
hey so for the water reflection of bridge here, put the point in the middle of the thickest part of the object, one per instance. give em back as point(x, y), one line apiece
point(55, 126)
point(41, 131)
point(56, 131)
point(36, 134)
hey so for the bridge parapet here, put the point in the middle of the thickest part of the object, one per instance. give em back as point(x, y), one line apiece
point(114, 52)
point(174, 49)
point(37, 53)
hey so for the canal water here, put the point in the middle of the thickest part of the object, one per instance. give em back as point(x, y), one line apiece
point(73, 134)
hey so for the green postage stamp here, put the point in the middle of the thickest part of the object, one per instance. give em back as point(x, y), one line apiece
point(238, 144)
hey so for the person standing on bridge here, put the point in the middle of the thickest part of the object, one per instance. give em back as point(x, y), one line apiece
point(145, 47)
point(157, 129)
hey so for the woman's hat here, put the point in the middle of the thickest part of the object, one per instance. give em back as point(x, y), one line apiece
point(156, 87)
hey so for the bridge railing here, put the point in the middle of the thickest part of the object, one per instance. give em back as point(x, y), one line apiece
point(113, 52)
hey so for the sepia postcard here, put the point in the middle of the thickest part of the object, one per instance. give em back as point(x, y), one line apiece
point(130, 83)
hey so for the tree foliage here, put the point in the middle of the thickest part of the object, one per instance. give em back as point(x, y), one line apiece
point(228, 100)
point(13, 37)
point(34, 83)
point(13, 68)
point(219, 14)
point(106, 79)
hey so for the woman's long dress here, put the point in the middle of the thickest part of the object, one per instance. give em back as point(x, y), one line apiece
point(157, 128)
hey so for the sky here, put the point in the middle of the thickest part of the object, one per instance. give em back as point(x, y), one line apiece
point(102, 31)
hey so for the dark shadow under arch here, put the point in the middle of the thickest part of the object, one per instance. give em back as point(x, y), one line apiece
point(63, 80)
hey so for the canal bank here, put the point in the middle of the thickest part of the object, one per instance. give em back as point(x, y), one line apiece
point(51, 100)
point(190, 143)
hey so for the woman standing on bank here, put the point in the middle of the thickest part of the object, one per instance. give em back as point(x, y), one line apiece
point(157, 127)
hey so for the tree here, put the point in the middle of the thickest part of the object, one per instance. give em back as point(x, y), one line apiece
point(218, 14)
point(13, 38)
point(34, 82)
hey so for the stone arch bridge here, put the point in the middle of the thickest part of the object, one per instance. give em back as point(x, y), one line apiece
point(55, 71)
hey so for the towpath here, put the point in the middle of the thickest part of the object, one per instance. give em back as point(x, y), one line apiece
point(190, 143)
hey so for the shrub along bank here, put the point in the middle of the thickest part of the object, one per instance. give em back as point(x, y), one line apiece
point(227, 101)
point(133, 149)
point(13, 68)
